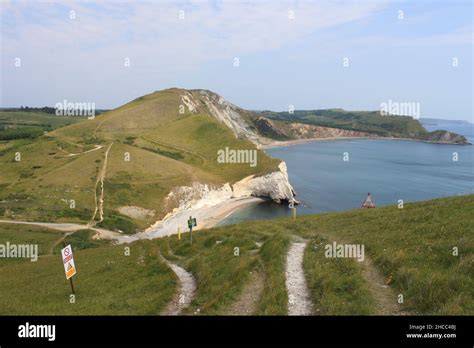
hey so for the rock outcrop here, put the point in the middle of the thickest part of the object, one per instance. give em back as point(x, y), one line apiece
point(274, 186)
point(308, 131)
point(224, 111)
point(198, 195)
point(445, 137)
point(269, 129)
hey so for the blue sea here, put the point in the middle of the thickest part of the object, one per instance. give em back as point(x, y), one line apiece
point(389, 169)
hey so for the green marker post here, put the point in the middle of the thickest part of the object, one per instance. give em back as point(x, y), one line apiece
point(191, 223)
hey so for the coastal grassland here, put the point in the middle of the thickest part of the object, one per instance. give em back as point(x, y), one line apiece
point(39, 186)
point(147, 112)
point(82, 133)
point(16, 124)
point(108, 282)
point(273, 253)
point(8, 145)
point(221, 260)
point(81, 239)
point(221, 274)
point(131, 119)
point(49, 241)
point(336, 285)
point(166, 149)
point(413, 247)
point(45, 238)
point(35, 118)
point(145, 180)
point(114, 221)
point(203, 136)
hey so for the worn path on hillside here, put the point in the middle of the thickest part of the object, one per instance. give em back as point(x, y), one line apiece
point(384, 296)
point(68, 154)
point(187, 289)
point(299, 302)
point(99, 201)
point(68, 227)
point(105, 117)
point(246, 303)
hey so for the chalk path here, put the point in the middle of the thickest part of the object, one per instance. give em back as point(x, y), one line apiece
point(187, 289)
point(299, 302)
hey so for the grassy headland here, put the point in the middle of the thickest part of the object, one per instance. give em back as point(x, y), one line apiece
point(425, 252)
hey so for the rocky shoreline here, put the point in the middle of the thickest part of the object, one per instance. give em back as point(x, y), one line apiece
point(212, 204)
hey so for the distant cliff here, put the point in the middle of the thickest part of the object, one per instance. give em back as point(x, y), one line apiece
point(445, 137)
point(329, 123)
point(264, 127)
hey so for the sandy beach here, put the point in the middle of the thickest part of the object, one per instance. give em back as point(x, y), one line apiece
point(310, 140)
point(207, 217)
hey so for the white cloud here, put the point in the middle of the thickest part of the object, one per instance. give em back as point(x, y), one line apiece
point(152, 34)
point(459, 36)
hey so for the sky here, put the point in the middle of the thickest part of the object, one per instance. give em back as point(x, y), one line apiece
point(260, 55)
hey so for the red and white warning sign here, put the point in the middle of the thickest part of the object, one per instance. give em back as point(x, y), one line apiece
point(68, 261)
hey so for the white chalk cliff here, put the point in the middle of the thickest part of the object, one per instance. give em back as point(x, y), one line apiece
point(273, 186)
point(201, 200)
point(224, 111)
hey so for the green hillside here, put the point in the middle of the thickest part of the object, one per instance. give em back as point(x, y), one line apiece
point(108, 282)
point(411, 247)
point(21, 124)
point(151, 147)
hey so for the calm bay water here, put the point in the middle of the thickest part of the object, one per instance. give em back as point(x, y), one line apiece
point(389, 169)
